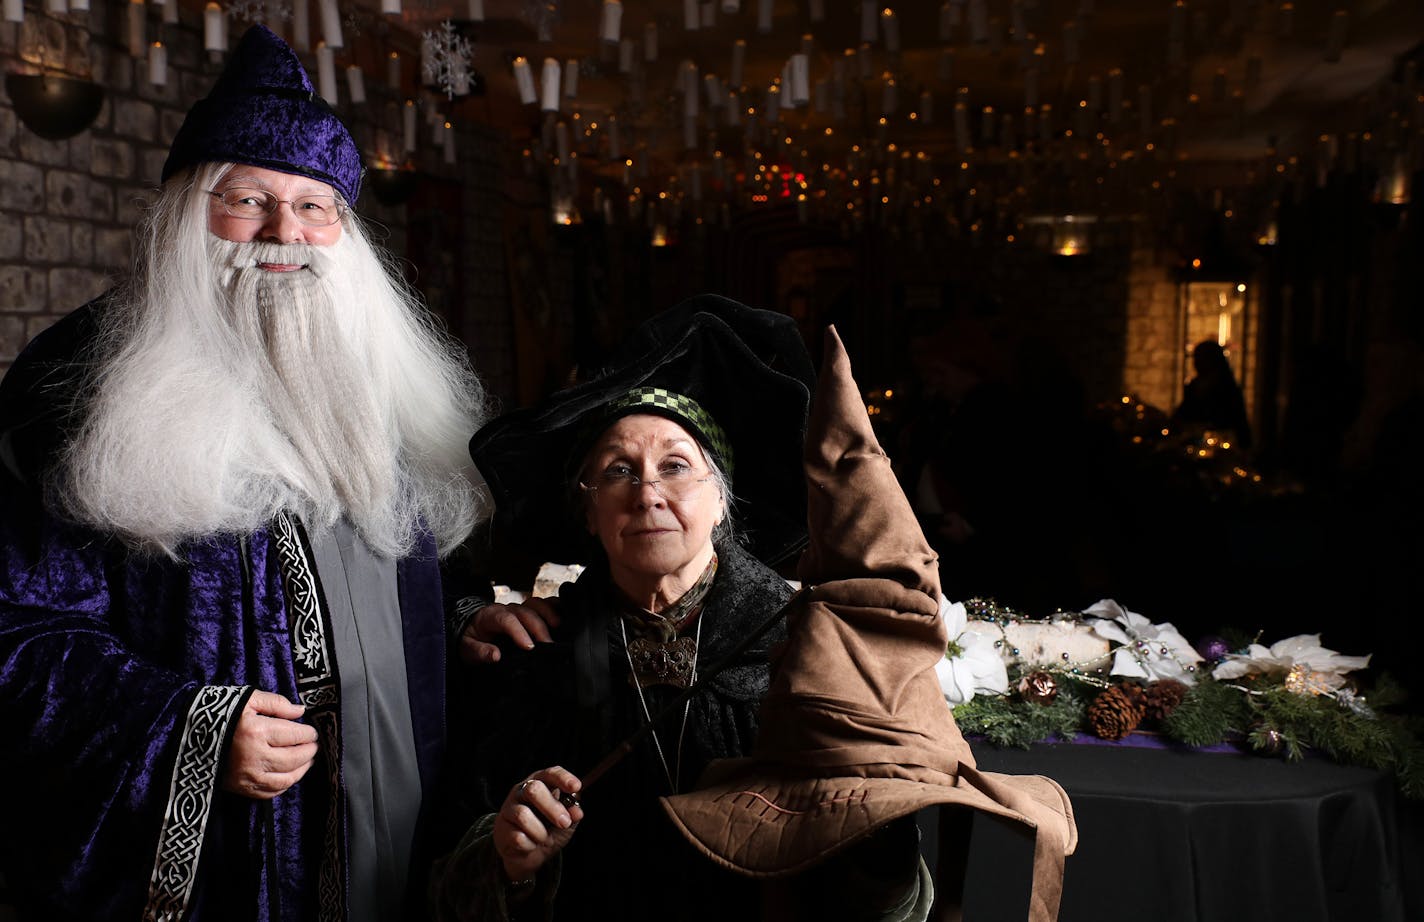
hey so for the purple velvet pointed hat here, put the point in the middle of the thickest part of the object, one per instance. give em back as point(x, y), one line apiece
point(263, 111)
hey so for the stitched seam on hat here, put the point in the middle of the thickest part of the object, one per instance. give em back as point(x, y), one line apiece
point(849, 798)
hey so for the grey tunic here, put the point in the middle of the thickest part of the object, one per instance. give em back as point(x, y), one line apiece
point(378, 766)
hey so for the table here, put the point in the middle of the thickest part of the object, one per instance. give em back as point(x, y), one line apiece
point(1172, 835)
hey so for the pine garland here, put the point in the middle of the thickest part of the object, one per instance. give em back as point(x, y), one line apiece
point(1012, 722)
point(1260, 714)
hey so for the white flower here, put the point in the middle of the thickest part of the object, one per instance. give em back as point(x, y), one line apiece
point(1301, 653)
point(1145, 650)
point(972, 663)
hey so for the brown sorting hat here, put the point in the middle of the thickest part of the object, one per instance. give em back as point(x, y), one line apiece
point(855, 731)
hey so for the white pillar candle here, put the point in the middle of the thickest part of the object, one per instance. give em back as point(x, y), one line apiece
point(869, 20)
point(689, 89)
point(709, 14)
point(331, 24)
point(79, 6)
point(393, 70)
point(14, 10)
point(1070, 42)
point(214, 28)
point(1253, 72)
point(650, 42)
point(800, 80)
point(408, 126)
point(561, 141)
point(326, 72)
point(615, 140)
point(978, 22)
point(301, 25)
point(138, 40)
point(356, 83)
point(739, 60)
point(391, 7)
point(62, 6)
point(1177, 24)
point(170, 11)
point(691, 15)
point(713, 88)
point(890, 30)
point(475, 11)
point(612, 21)
point(157, 64)
point(1335, 42)
point(626, 50)
point(571, 75)
point(524, 80)
point(550, 83)
point(731, 6)
point(764, 12)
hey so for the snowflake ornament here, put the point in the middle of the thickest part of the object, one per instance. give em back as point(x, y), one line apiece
point(445, 59)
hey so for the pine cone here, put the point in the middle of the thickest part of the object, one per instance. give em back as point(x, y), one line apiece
point(1113, 714)
point(1163, 698)
point(1136, 695)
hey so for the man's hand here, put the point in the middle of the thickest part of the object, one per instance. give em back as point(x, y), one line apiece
point(525, 623)
point(270, 751)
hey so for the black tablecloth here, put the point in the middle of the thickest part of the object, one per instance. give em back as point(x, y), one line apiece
point(1176, 836)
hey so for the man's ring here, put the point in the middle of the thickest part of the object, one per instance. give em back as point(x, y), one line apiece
point(524, 786)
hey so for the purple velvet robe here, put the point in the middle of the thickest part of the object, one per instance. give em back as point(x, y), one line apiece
point(120, 679)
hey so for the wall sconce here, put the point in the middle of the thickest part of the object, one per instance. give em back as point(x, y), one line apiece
point(52, 106)
point(391, 185)
point(1072, 235)
point(1063, 235)
point(1393, 185)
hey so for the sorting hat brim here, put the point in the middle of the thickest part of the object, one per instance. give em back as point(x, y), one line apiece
point(748, 368)
point(760, 821)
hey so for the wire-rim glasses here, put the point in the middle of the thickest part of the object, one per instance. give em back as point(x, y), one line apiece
point(675, 483)
point(249, 204)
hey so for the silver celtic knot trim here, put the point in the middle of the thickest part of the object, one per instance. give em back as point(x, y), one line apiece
point(190, 801)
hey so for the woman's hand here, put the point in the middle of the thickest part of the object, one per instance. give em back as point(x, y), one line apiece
point(270, 751)
point(533, 825)
point(525, 623)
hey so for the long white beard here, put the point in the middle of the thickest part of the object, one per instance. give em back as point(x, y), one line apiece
point(315, 392)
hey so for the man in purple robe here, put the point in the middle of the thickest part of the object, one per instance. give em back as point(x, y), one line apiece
point(227, 488)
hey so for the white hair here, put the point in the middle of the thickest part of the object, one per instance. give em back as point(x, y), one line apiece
point(224, 394)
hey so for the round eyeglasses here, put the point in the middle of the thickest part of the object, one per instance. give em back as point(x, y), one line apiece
point(258, 204)
point(677, 483)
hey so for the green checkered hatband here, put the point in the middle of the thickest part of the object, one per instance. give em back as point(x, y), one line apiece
point(663, 402)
